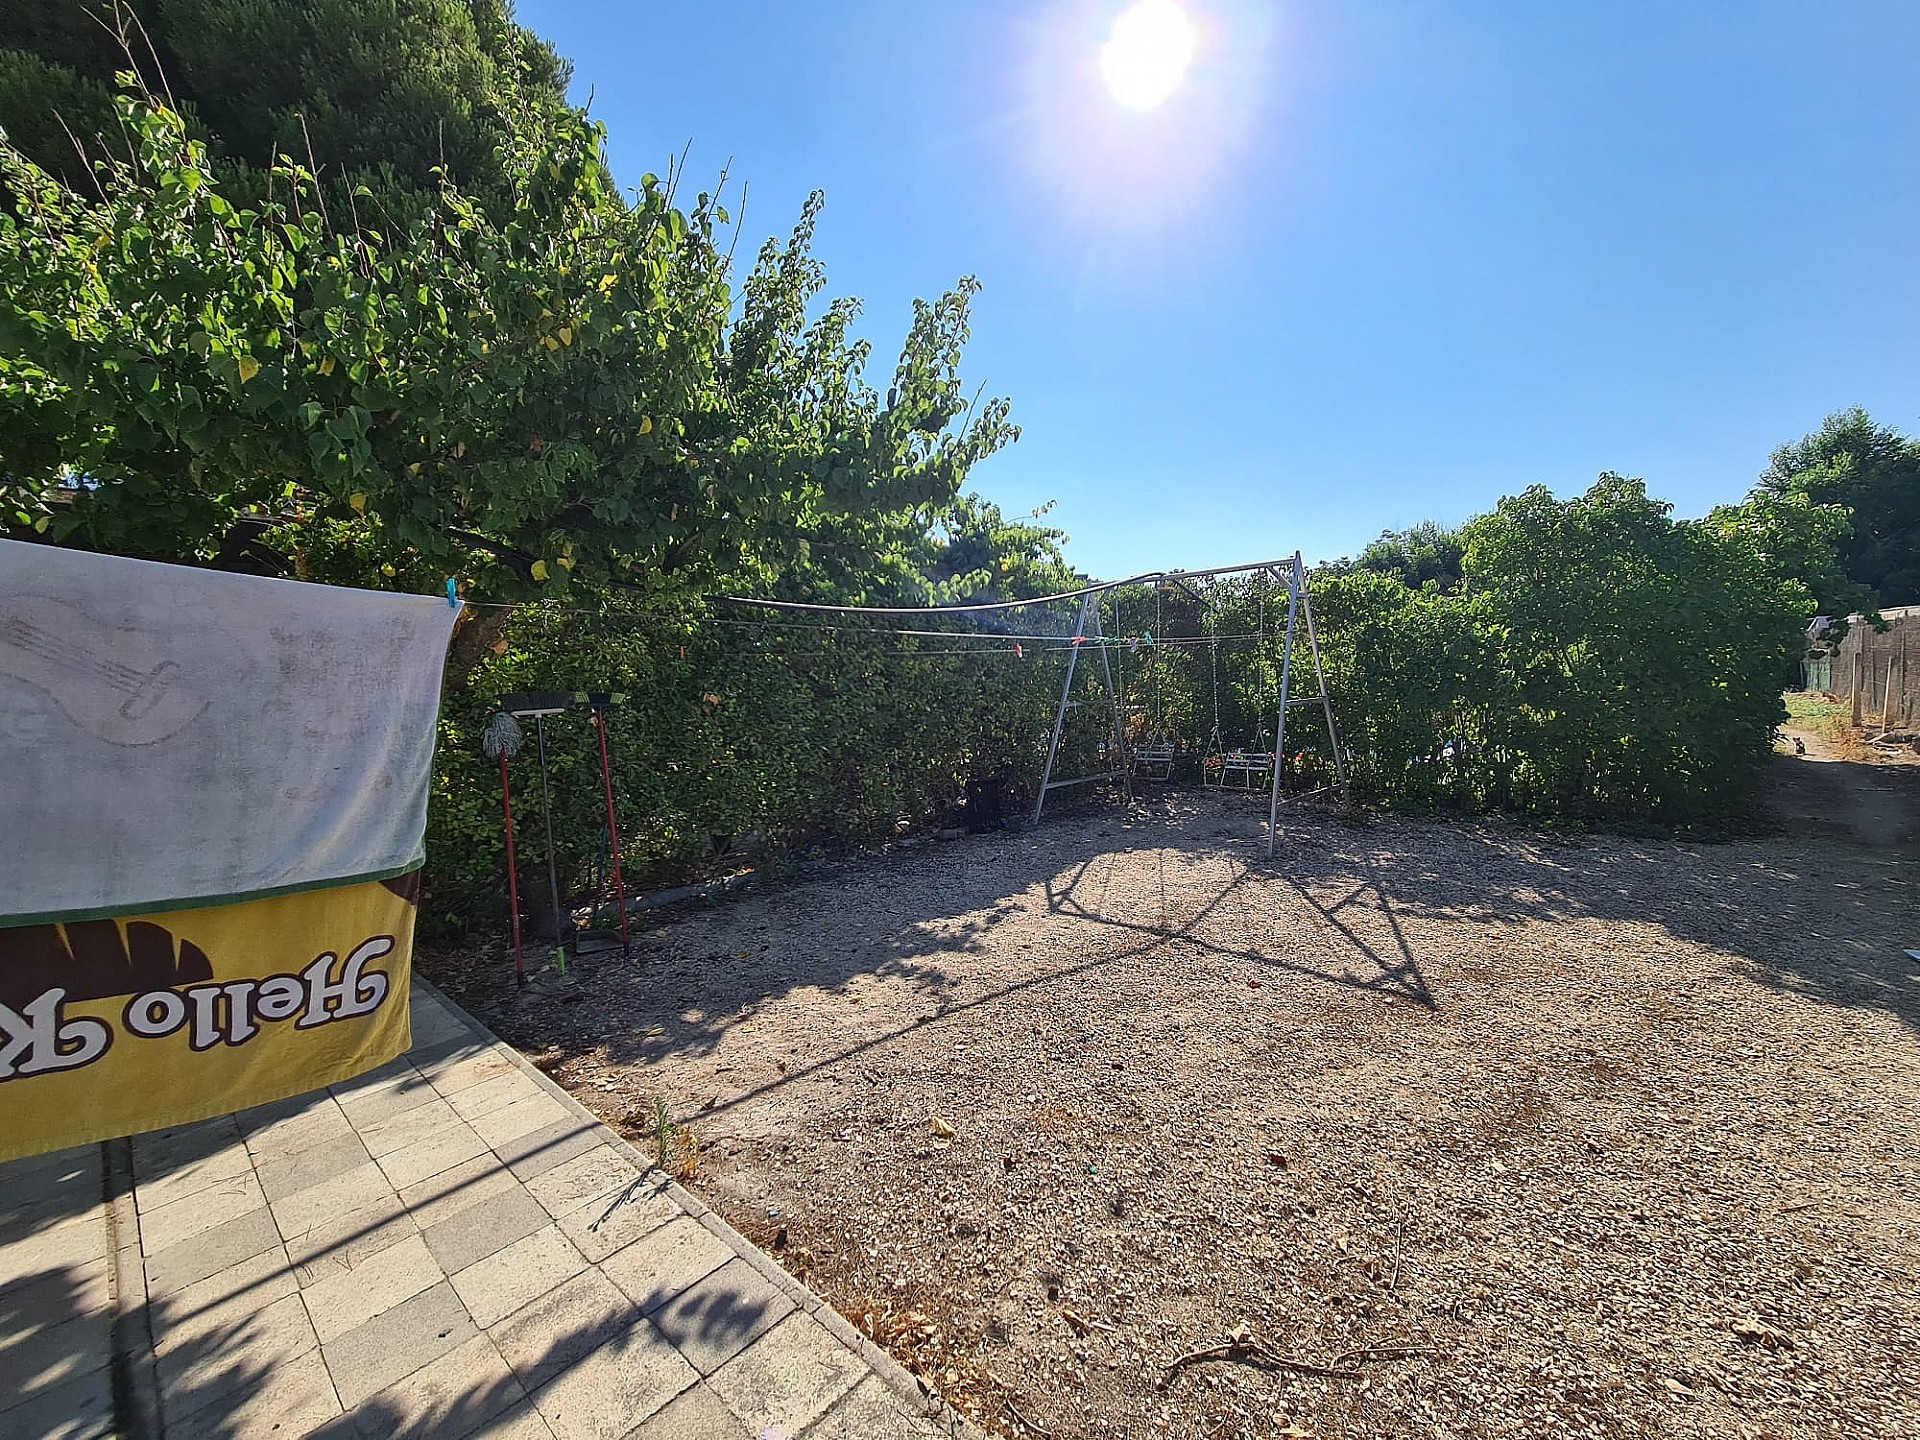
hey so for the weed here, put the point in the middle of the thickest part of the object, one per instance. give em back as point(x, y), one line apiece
point(676, 1150)
point(663, 1133)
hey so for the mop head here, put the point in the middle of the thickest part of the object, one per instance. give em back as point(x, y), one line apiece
point(501, 737)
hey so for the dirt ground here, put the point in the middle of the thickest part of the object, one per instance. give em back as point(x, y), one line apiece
point(1849, 788)
point(1515, 1135)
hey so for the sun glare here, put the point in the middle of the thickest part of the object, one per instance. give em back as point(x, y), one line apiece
point(1146, 56)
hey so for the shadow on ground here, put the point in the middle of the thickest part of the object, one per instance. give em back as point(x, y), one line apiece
point(1347, 905)
point(70, 1365)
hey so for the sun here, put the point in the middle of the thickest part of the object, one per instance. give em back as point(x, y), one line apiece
point(1146, 56)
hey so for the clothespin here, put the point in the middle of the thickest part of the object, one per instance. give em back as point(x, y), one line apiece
point(1079, 639)
point(1149, 637)
point(453, 592)
point(1133, 647)
point(1018, 653)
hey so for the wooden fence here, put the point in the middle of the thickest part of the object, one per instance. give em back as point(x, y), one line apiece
point(1877, 671)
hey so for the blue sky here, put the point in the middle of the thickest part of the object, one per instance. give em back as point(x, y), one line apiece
point(1372, 263)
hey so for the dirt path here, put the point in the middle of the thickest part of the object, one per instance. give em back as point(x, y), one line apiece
point(1848, 791)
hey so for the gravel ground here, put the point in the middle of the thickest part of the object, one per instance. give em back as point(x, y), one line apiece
point(1518, 1135)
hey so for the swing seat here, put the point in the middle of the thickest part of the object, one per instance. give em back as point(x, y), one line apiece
point(1238, 770)
point(1155, 761)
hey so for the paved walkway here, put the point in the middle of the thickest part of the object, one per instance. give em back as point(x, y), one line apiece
point(449, 1246)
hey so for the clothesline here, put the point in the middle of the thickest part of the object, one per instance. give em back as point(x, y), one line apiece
point(1019, 639)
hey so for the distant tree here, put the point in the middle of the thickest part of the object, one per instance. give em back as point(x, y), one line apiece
point(1793, 538)
point(1425, 553)
point(1874, 471)
point(982, 554)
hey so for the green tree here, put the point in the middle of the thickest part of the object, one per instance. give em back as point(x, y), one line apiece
point(1874, 472)
point(1795, 538)
point(1643, 655)
point(1426, 554)
point(793, 729)
point(1415, 685)
point(375, 94)
point(555, 397)
point(1599, 662)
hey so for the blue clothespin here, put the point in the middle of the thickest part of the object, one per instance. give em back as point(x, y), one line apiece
point(1149, 637)
point(453, 593)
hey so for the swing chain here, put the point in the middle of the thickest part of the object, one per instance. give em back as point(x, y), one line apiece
point(1215, 745)
point(1159, 661)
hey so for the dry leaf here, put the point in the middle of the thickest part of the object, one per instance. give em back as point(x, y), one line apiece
point(941, 1127)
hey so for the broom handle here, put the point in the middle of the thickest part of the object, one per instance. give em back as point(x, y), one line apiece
point(513, 873)
point(613, 830)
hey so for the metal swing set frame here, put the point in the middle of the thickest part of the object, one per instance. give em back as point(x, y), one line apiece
point(1290, 572)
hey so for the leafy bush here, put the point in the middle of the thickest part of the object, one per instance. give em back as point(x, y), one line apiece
point(1600, 663)
point(1597, 663)
point(730, 732)
point(1594, 662)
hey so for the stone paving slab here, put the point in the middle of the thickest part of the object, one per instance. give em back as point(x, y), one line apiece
point(450, 1246)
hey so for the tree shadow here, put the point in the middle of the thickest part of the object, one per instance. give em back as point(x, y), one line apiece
point(56, 1302)
point(1810, 910)
point(210, 1382)
point(224, 1358)
point(1849, 800)
point(165, 1357)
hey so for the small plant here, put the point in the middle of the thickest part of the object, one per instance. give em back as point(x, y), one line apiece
point(675, 1149)
point(663, 1134)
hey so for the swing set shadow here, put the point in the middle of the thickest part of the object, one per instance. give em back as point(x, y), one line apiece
point(1398, 974)
point(1397, 969)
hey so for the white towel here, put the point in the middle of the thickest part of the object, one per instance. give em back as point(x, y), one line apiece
point(173, 737)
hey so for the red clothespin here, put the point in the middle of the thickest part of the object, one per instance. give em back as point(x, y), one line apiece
point(1018, 653)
